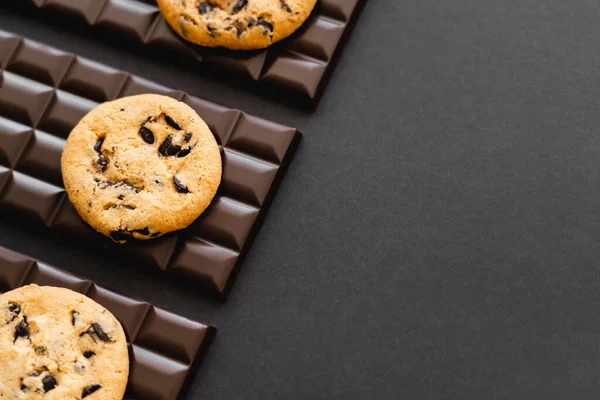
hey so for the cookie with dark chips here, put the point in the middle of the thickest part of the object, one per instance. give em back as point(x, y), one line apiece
point(235, 24)
point(59, 344)
point(140, 167)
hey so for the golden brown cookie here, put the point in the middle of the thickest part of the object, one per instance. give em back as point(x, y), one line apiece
point(141, 166)
point(56, 344)
point(235, 24)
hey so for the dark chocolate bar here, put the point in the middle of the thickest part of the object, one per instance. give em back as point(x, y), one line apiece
point(165, 349)
point(300, 64)
point(43, 95)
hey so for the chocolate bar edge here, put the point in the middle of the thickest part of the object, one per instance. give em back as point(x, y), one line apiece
point(293, 147)
point(211, 332)
point(338, 52)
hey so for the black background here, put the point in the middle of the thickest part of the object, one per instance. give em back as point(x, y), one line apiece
point(436, 234)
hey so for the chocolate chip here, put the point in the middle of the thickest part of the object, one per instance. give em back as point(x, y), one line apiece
point(14, 310)
point(143, 231)
point(121, 197)
point(102, 162)
point(90, 389)
point(167, 148)
point(74, 317)
point(205, 7)
point(96, 331)
point(239, 31)
point(172, 123)
point(119, 235)
point(285, 6)
point(265, 24)
point(184, 152)
point(88, 354)
point(181, 188)
point(98, 145)
point(40, 350)
point(22, 329)
point(100, 332)
point(187, 136)
point(211, 30)
point(49, 383)
point(239, 6)
point(147, 135)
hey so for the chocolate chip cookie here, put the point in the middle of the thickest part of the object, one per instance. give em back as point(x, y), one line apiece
point(140, 167)
point(59, 344)
point(235, 24)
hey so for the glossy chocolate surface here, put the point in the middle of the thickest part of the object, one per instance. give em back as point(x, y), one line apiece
point(43, 95)
point(165, 348)
point(300, 64)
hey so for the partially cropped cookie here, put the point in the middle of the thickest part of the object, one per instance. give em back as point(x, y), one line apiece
point(235, 24)
point(141, 166)
point(57, 344)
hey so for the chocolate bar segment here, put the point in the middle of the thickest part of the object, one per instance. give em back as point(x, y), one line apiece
point(165, 349)
point(301, 64)
point(46, 91)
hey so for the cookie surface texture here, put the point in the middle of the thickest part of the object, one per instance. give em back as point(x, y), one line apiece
point(59, 344)
point(235, 24)
point(140, 167)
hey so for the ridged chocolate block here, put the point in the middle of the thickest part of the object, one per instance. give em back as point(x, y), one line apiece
point(165, 349)
point(43, 95)
point(300, 64)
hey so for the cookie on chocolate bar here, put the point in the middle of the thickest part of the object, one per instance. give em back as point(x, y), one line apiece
point(140, 167)
point(235, 24)
point(59, 344)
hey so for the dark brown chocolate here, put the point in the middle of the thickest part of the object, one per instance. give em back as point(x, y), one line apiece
point(45, 92)
point(300, 64)
point(165, 349)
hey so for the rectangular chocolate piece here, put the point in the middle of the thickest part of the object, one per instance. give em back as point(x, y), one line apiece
point(43, 95)
point(300, 64)
point(165, 349)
